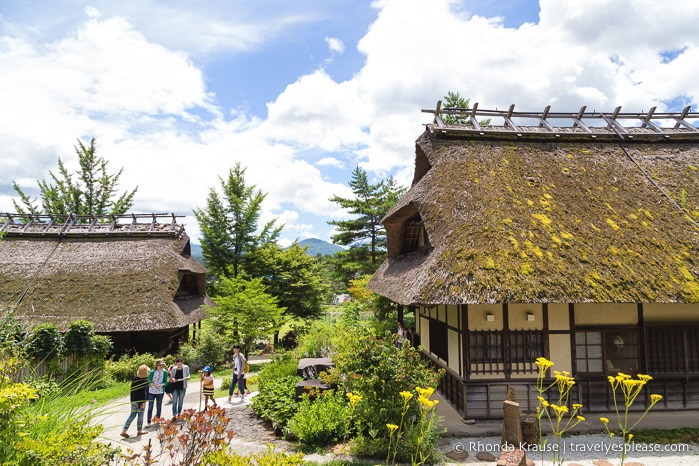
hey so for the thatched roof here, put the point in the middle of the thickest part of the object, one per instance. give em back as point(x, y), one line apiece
point(120, 282)
point(513, 219)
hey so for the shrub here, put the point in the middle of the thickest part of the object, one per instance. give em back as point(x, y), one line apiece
point(285, 365)
point(58, 429)
point(277, 400)
point(45, 342)
point(78, 338)
point(377, 370)
point(320, 421)
point(318, 342)
point(211, 349)
point(124, 369)
point(187, 440)
point(269, 458)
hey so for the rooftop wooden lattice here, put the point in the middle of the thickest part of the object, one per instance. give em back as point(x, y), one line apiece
point(583, 125)
point(90, 225)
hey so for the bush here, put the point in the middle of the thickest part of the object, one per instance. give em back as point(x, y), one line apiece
point(320, 421)
point(269, 458)
point(124, 369)
point(318, 342)
point(378, 371)
point(285, 365)
point(78, 338)
point(45, 342)
point(277, 401)
point(211, 349)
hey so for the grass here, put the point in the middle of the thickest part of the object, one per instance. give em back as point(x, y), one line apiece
point(668, 436)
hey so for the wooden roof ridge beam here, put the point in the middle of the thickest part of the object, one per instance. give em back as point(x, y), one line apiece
point(508, 120)
point(613, 124)
point(438, 115)
point(543, 122)
point(472, 118)
point(577, 121)
point(681, 122)
point(647, 121)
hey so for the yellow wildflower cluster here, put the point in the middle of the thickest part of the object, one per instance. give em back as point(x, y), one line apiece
point(629, 388)
point(353, 399)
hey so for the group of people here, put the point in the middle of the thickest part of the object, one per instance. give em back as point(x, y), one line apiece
point(150, 385)
point(407, 337)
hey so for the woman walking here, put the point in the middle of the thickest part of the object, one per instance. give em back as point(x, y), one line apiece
point(139, 395)
point(238, 377)
point(179, 374)
point(157, 380)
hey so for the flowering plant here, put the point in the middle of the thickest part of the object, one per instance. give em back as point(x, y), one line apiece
point(629, 388)
point(560, 417)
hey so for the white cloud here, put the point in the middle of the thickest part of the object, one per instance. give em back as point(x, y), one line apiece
point(335, 45)
point(129, 76)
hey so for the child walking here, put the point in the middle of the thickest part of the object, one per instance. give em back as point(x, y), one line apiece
point(207, 381)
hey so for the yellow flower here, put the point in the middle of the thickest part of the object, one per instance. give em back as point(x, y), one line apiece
point(426, 392)
point(392, 428)
point(645, 377)
point(611, 379)
point(560, 410)
point(577, 406)
point(630, 437)
point(604, 420)
point(543, 364)
point(407, 396)
point(654, 398)
point(354, 399)
point(580, 418)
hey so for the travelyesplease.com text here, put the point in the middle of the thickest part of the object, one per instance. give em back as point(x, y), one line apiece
point(606, 448)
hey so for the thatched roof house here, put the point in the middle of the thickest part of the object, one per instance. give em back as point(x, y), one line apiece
point(557, 232)
point(132, 277)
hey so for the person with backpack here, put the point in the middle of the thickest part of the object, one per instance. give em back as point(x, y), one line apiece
point(238, 377)
point(139, 395)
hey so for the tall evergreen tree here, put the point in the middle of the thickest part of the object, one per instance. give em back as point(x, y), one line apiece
point(229, 224)
point(90, 191)
point(364, 233)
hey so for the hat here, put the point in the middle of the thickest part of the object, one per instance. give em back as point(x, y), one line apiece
point(142, 371)
point(159, 362)
point(207, 369)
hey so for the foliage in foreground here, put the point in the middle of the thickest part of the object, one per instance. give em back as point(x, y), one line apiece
point(321, 421)
point(276, 401)
point(49, 427)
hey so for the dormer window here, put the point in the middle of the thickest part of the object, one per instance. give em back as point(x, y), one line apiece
point(413, 234)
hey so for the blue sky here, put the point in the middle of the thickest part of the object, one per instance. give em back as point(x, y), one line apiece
point(301, 92)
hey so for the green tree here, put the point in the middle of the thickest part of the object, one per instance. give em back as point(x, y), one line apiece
point(245, 311)
point(297, 280)
point(363, 233)
point(90, 191)
point(453, 100)
point(229, 224)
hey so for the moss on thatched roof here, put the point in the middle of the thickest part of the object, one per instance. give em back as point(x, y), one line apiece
point(119, 283)
point(517, 221)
